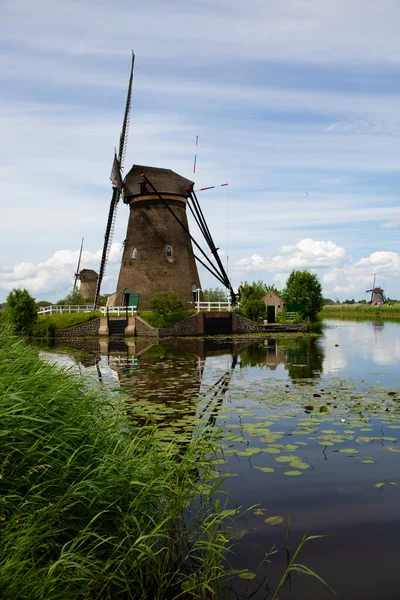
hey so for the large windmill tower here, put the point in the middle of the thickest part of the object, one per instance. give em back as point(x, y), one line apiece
point(158, 252)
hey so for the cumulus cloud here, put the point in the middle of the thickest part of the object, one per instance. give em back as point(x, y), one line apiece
point(339, 273)
point(306, 254)
point(53, 278)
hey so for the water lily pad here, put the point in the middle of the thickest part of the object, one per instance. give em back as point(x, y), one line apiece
point(272, 450)
point(299, 464)
point(276, 520)
point(392, 449)
point(348, 450)
point(293, 473)
point(246, 574)
point(378, 485)
point(285, 459)
point(265, 469)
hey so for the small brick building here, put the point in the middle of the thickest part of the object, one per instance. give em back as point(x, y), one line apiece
point(271, 299)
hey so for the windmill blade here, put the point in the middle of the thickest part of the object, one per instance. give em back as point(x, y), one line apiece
point(373, 287)
point(125, 123)
point(117, 184)
point(77, 268)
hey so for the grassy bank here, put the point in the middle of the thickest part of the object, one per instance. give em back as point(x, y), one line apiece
point(90, 506)
point(47, 324)
point(338, 310)
point(157, 320)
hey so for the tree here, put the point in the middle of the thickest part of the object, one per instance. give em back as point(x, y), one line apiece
point(304, 287)
point(252, 305)
point(167, 302)
point(72, 299)
point(21, 311)
point(214, 295)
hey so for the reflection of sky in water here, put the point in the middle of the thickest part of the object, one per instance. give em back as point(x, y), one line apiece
point(365, 350)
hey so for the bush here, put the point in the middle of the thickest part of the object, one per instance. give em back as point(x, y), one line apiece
point(167, 302)
point(46, 325)
point(214, 295)
point(21, 311)
point(253, 309)
point(156, 320)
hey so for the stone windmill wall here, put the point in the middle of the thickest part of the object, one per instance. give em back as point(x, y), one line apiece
point(158, 254)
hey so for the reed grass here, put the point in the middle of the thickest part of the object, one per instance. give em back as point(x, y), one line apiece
point(90, 505)
point(336, 310)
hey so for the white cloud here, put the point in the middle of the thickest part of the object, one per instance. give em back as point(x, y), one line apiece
point(338, 272)
point(53, 278)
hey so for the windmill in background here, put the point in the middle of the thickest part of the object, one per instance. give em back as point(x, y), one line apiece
point(377, 294)
point(88, 279)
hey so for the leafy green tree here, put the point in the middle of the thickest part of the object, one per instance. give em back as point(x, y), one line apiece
point(72, 299)
point(252, 305)
point(21, 311)
point(328, 301)
point(167, 302)
point(304, 287)
point(214, 295)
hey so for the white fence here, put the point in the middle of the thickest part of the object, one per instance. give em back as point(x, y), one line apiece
point(123, 310)
point(60, 309)
point(218, 306)
point(85, 308)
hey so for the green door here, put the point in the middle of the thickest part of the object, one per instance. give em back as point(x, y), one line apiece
point(271, 312)
point(131, 298)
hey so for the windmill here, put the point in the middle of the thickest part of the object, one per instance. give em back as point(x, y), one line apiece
point(158, 250)
point(377, 294)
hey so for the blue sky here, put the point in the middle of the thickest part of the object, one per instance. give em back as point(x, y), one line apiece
point(287, 98)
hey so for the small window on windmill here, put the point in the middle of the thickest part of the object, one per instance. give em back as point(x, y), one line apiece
point(134, 253)
point(168, 252)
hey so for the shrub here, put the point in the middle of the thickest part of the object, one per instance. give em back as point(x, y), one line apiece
point(21, 311)
point(253, 309)
point(167, 302)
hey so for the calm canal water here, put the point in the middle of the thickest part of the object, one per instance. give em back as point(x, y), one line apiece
point(310, 435)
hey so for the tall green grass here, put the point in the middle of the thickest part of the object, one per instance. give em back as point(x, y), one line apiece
point(90, 506)
point(332, 310)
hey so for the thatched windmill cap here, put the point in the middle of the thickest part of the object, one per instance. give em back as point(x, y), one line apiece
point(86, 274)
point(164, 180)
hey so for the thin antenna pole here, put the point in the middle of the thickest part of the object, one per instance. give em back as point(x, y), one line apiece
point(195, 155)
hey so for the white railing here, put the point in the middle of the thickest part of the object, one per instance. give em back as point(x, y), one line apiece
point(218, 306)
point(118, 310)
point(85, 308)
point(60, 309)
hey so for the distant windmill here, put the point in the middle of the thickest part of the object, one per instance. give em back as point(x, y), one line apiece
point(377, 294)
point(87, 277)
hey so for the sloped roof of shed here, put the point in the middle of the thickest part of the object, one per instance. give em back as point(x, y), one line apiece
point(164, 180)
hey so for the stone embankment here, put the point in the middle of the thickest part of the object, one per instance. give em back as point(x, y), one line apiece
point(192, 326)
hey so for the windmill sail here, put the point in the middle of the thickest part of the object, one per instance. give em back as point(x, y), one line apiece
point(77, 268)
point(117, 184)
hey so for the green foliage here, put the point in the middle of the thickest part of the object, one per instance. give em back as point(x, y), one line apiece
point(167, 302)
point(214, 295)
point(328, 301)
point(166, 320)
point(385, 310)
point(46, 325)
point(21, 311)
point(253, 309)
point(93, 506)
point(72, 299)
point(304, 287)
point(43, 303)
point(251, 300)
